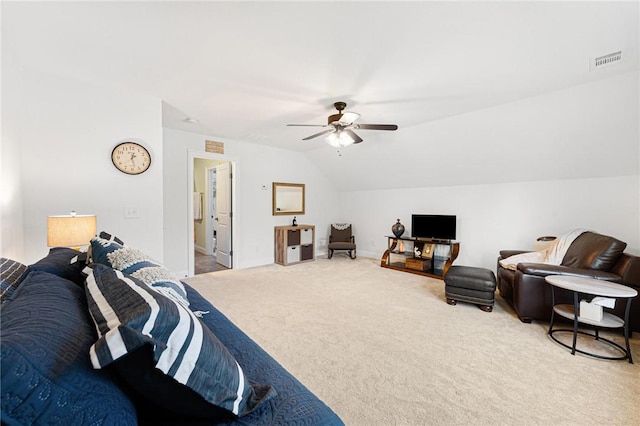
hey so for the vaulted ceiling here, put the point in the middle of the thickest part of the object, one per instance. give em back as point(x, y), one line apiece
point(246, 69)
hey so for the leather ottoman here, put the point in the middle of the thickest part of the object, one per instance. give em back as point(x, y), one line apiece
point(472, 285)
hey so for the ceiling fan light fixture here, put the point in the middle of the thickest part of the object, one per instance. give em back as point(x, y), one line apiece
point(341, 126)
point(349, 117)
point(339, 139)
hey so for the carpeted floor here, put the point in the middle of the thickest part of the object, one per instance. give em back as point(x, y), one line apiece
point(382, 347)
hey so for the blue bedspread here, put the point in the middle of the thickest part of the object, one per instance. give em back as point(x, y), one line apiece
point(47, 377)
point(294, 405)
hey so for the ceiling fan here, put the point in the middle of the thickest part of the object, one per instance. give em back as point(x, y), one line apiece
point(341, 126)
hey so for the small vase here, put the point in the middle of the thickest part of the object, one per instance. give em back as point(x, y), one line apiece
point(397, 229)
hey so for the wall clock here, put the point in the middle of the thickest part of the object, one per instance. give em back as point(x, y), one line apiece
point(131, 158)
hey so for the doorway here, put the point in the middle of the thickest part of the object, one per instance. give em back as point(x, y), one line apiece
point(211, 219)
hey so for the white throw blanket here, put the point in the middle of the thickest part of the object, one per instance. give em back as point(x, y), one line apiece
point(552, 255)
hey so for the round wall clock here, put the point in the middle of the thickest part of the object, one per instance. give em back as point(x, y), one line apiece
point(131, 158)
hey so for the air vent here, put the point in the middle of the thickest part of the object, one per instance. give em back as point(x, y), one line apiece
point(606, 60)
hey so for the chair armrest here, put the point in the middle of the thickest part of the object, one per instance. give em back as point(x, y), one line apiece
point(628, 267)
point(508, 253)
point(353, 240)
point(543, 269)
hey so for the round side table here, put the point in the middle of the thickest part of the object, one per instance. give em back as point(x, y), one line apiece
point(591, 287)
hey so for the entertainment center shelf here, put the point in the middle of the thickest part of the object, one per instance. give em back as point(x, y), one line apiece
point(430, 258)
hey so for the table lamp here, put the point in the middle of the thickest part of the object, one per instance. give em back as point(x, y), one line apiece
point(70, 230)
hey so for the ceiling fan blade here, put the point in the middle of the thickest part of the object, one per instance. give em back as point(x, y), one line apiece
point(348, 118)
point(356, 138)
point(324, 132)
point(308, 125)
point(376, 126)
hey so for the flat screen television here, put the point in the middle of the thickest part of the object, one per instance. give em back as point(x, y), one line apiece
point(434, 227)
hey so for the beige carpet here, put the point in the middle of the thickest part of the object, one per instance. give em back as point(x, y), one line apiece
point(382, 347)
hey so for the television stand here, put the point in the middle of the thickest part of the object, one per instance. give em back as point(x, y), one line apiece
point(436, 264)
point(432, 241)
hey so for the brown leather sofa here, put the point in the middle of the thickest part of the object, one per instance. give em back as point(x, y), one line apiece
point(590, 255)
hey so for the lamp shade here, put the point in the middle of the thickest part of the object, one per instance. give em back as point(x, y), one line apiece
point(71, 230)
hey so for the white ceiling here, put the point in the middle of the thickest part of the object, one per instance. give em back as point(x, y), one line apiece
point(246, 69)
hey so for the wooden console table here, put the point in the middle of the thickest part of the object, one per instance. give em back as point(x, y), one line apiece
point(435, 267)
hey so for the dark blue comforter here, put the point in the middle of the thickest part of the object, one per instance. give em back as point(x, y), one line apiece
point(47, 378)
point(294, 405)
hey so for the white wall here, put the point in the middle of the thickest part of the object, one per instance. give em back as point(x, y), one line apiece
point(256, 165)
point(584, 131)
point(11, 223)
point(491, 218)
point(543, 165)
point(70, 128)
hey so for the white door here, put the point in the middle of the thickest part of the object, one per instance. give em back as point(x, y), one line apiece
point(223, 215)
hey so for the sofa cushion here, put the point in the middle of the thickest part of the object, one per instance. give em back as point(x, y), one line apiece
point(594, 251)
point(45, 371)
point(63, 262)
point(109, 252)
point(162, 350)
point(10, 277)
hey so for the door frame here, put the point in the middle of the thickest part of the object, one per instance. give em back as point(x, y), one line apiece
point(190, 227)
point(209, 221)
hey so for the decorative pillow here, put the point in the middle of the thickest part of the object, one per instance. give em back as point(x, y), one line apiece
point(10, 274)
point(46, 375)
point(139, 265)
point(63, 262)
point(109, 237)
point(163, 352)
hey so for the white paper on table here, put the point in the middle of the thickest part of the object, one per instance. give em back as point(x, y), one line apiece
point(606, 302)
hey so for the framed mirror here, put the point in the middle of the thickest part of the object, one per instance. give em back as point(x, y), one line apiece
point(288, 198)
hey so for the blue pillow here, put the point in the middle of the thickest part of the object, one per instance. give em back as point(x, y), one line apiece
point(63, 262)
point(139, 265)
point(163, 352)
point(45, 371)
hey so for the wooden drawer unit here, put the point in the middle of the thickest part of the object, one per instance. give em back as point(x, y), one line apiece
point(418, 264)
point(294, 244)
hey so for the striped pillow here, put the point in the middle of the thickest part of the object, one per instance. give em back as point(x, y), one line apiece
point(111, 252)
point(130, 317)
